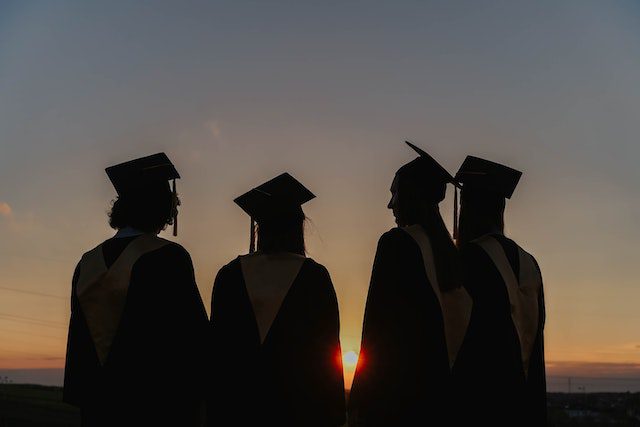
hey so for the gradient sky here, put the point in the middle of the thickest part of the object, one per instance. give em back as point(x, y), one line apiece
point(237, 92)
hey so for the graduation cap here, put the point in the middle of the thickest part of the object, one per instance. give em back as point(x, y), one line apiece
point(275, 197)
point(487, 175)
point(139, 175)
point(427, 171)
point(427, 168)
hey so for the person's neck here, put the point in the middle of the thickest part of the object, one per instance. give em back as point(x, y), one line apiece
point(489, 229)
point(425, 215)
point(127, 232)
point(494, 229)
point(469, 234)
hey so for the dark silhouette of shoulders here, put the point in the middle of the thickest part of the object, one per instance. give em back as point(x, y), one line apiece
point(395, 239)
point(310, 266)
point(472, 253)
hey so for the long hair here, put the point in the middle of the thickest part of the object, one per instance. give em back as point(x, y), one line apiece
point(481, 212)
point(418, 204)
point(282, 233)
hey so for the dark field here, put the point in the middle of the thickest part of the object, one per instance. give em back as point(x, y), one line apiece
point(40, 406)
point(594, 409)
point(35, 406)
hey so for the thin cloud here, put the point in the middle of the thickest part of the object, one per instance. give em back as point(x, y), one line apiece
point(5, 210)
point(213, 127)
point(214, 134)
point(16, 222)
point(198, 140)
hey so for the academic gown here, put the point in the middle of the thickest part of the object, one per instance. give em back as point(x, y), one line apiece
point(496, 388)
point(294, 377)
point(151, 373)
point(403, 376)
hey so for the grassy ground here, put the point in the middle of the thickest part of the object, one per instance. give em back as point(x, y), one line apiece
point(35, 406)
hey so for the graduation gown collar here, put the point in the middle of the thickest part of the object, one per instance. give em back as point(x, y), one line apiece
point(102, 290)
point(268, 279)
point(127, 232)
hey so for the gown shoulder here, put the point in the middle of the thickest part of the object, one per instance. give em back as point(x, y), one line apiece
point(396, 241)
point(315, 267)
point(171, 250)
point(395, 235)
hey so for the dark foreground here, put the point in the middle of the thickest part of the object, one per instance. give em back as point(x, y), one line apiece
point(35, 406)
point(40, 406)
point(594, 409)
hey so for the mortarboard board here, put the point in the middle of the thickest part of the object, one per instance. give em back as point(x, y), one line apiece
point(487, 175)
point(426, 168)
point(276, 196)
point(142, 174)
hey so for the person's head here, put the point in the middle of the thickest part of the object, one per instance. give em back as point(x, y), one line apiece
point(282, 233)
point(481, 212)
point(486, 186)
point(414, 193)
point(145, 201)
point(276, 206)
point(417, 189)
point(149, 211)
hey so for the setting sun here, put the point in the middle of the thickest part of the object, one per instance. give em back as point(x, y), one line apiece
point(350, 359)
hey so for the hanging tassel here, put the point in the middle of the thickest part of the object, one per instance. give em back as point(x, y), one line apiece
point(175, 216)
point(252, 241)
point(455, 213)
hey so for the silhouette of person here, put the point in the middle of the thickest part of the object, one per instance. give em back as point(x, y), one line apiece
point(501, 371)
point(138, 326)
point(275, 323)
point(416, 313)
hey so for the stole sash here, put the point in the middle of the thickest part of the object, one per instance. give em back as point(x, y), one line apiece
point(455, 304)
point(523, 293)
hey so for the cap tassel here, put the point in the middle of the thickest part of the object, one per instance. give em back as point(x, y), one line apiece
point(252, 241)
point(455, 213)
point(175, 216)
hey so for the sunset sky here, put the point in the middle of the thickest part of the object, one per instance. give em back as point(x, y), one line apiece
point(236, 92)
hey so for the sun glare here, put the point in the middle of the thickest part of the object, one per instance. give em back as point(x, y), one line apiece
point(350, 359)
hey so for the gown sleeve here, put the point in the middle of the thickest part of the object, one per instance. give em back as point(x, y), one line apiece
point(180, 327)
point(380, 359)
point(536, 384)
point(224, 391)
point(220, 328)
point(72, 390)
point(325, 370)
point(190, 321)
